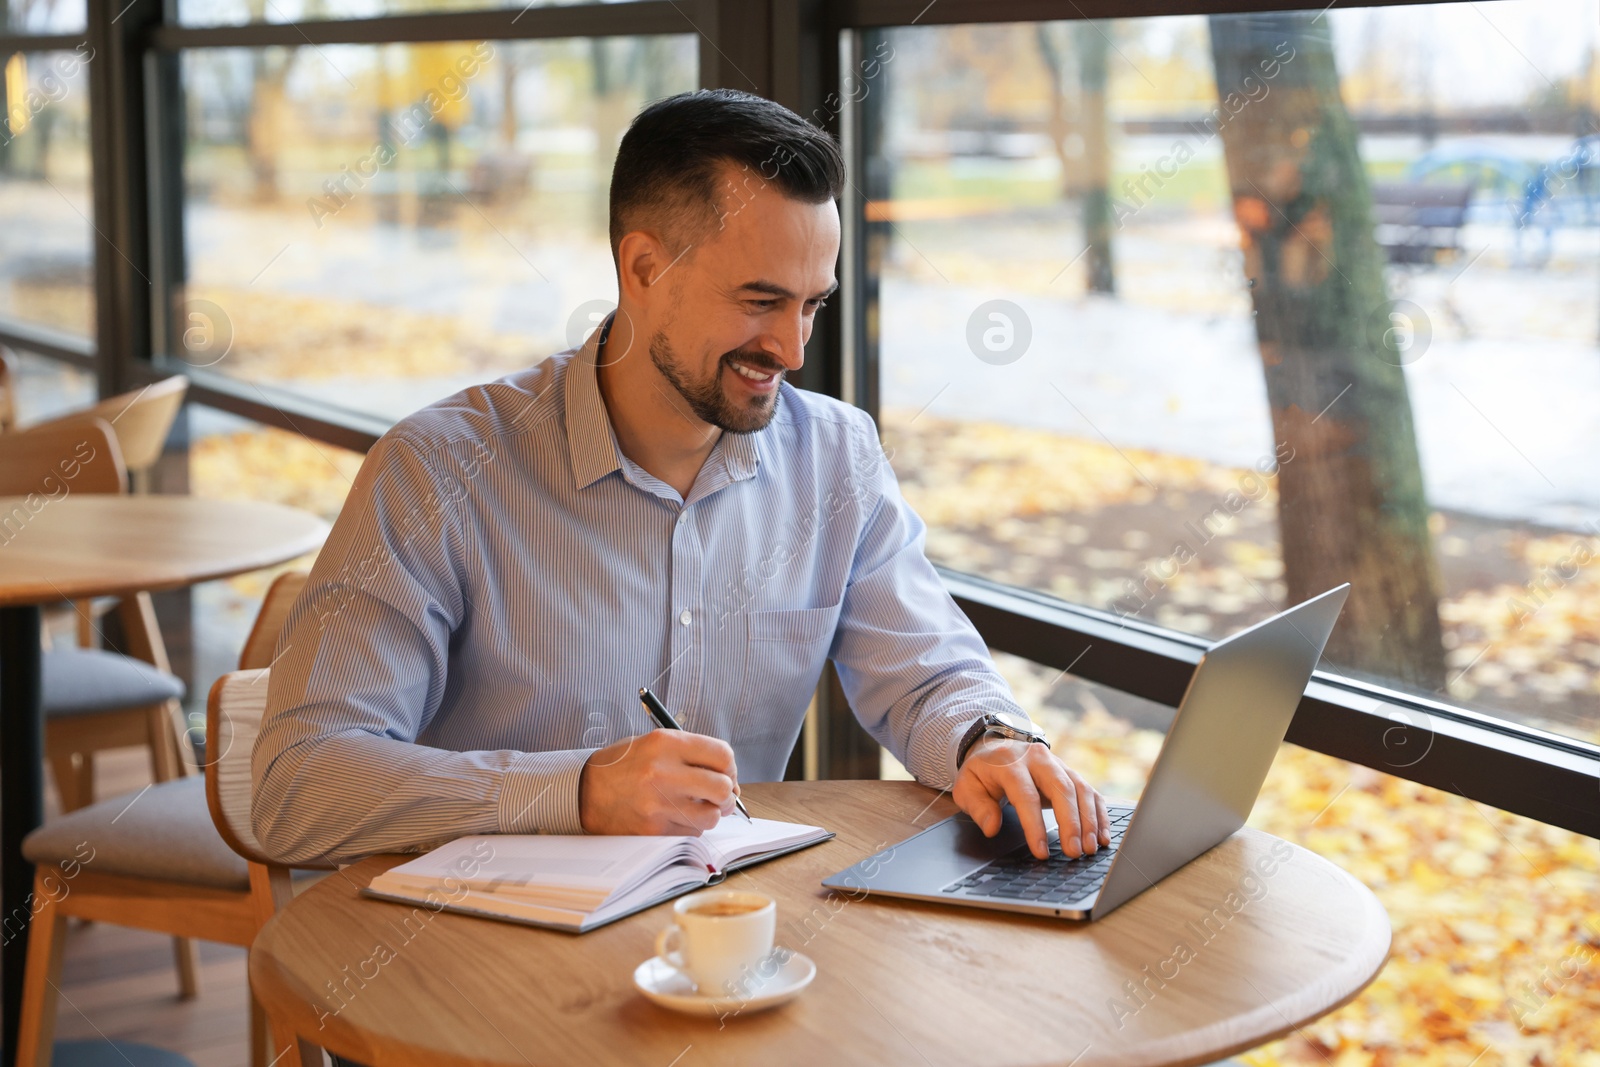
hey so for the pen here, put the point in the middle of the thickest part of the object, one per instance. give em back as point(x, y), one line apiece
point(658, 711)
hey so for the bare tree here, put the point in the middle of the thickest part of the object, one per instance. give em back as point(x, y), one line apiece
point(1085, 173)
point(1351, 501)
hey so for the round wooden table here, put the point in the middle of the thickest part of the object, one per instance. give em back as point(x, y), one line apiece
point(87, 546)
point(898, 982)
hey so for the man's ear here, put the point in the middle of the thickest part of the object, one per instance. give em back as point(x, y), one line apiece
point(639, 260)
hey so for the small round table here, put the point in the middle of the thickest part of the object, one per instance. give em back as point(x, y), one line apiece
point(87, 546)
point(898, 982)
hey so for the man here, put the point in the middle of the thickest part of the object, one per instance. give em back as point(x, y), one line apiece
point(656, 508)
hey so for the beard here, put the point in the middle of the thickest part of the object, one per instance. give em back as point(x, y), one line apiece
point(707, 399)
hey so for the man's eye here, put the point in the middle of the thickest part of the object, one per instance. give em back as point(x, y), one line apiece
point(818, 304)
point(764, 305)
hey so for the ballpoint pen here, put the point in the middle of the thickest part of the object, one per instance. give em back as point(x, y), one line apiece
point(658, 711)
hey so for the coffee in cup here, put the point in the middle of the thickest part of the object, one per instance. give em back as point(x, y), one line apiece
point(726, 906)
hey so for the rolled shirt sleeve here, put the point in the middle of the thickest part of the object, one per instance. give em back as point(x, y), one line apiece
point(914, 668)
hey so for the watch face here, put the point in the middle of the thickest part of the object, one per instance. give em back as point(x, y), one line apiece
point(1016, 721)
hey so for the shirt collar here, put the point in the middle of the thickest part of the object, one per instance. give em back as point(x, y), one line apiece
point(593, 443)
point(590, 439)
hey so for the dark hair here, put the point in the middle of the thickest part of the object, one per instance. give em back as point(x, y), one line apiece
point(670, 160)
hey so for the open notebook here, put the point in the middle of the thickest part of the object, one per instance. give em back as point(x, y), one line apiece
point(580, 882)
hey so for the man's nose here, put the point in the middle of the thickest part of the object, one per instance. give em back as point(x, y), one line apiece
point(787, 342)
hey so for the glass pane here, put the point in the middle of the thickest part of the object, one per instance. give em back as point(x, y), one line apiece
point(1189, 318)
point(46, 238)
point(48, 387)
point(43, 16)
point(232, 12)
point(378, 227)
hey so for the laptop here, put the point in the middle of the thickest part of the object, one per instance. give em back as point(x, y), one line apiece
point(1215, 757)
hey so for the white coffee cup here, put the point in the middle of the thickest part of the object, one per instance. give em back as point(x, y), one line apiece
point(718, 937)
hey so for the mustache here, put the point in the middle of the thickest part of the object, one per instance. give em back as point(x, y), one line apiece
point(758, 361)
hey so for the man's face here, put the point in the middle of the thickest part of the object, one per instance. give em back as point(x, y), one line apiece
point(736, 310)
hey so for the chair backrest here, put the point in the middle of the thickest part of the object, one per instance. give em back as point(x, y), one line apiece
point(141, 419)
point(261, 646)
point(233, 719)
point(79, 454)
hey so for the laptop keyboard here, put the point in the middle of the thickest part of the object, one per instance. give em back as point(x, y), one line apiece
point(1019, 876)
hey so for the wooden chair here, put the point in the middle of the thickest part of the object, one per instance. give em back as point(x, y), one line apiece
point(141, 419)
point(92, 699)
point(176, 858)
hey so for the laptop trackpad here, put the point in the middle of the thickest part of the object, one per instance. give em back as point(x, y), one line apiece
point(933, 859)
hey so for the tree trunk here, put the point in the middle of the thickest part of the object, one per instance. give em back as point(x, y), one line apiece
point(1351, 501)
point(1086, 172)
point(508, 96)
point(1092, 46)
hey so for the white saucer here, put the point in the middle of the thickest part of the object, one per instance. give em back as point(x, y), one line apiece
point(671, 988)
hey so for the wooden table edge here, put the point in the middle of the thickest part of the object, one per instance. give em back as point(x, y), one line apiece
point(31, 592)
point(1364, 974)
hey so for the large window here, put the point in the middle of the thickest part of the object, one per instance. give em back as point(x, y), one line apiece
point(376, 227)
point(1189, 318)
point(1168, 321)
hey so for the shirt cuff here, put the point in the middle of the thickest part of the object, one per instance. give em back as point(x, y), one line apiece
point(954, 744)
point(539, 793)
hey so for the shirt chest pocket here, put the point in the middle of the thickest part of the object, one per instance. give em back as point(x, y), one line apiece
point(784, 655)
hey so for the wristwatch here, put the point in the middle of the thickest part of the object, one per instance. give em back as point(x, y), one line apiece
point(1007, 724)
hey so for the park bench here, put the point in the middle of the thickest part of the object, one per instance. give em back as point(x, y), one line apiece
point(1415, 222)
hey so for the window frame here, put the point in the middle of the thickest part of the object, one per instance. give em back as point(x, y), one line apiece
point(792, 51)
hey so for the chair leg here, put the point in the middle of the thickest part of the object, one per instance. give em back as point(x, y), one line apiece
point(64, 767)
point(164, 763)
point(187, 957)
point(260, 1033)
point(87, 637)
point(295, 1052)
point(85, 783)
point(180, 740)
point(41, 976)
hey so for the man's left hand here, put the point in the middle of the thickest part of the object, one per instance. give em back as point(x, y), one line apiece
point(1030, 775)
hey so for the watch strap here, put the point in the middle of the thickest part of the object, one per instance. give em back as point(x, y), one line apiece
point(982, 725)
point(979, 727)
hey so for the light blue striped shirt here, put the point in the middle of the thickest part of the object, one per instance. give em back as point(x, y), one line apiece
point(502, 580)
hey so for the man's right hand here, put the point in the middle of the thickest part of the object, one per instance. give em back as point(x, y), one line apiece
point(662, 782)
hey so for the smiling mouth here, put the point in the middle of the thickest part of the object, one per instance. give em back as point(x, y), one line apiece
point(751, 374)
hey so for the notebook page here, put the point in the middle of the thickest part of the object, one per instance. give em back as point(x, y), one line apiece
point(734, 839)
point(578, 867)
point(671, 880)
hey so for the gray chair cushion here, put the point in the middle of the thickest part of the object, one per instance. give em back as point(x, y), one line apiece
point(163, 833)
point(115, 1054)
point(78, 681)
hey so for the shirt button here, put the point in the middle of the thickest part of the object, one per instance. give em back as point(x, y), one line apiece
point(681, 516)
point(686, 617)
